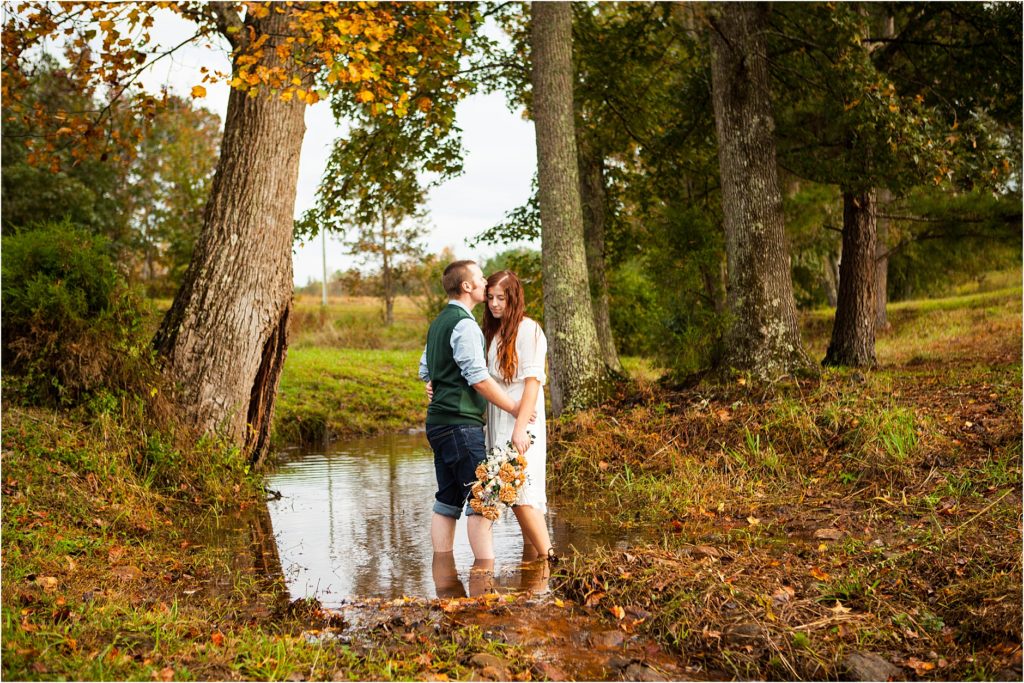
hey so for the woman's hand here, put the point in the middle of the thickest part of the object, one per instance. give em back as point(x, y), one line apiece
point(430, 391)
point(517, 409)
point(520, 439)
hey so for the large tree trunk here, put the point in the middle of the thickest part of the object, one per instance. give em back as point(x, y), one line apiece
point(577, 372)
point(592, 197)
point(882, 262)
point(223, 341)
point(853, 333)
point(764, 335)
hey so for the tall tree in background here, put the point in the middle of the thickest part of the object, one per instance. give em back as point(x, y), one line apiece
point(889, 97)
point(375, 186)
point(166, 191)
point(223, 341)
point(577, 371)
point(763, 336)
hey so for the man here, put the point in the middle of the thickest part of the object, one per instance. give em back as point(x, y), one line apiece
point(453, 362)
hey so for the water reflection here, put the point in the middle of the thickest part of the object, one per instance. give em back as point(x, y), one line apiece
point(354, 520)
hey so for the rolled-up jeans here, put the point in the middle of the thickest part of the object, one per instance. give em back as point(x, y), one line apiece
point(458, 449)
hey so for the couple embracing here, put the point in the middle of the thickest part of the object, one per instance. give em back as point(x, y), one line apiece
point(486, 389)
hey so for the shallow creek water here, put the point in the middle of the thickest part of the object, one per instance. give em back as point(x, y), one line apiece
point(353, 520)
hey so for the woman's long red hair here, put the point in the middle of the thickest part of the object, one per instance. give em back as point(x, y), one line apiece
point(507, 326)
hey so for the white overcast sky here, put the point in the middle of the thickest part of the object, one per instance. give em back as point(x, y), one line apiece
point(499, 163)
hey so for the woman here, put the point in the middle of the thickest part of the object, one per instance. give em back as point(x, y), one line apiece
point(516, 354)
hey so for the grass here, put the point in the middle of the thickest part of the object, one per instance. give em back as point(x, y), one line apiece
point(347, 374)
point(327, 392)
point(357, 323)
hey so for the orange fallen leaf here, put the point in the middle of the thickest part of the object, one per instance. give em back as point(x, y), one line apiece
point(919, 667)
point(593, 599)
point(217, 638)
point(819, 574)
point(618, 612)
point(602, 465)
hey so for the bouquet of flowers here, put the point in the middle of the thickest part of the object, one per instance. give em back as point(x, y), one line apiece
point(499, 479)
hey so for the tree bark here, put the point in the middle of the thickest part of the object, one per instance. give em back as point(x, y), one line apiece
point(223, 342)
point(577, 371)
point(853, 333)
point(592, 198)
point(763, 336)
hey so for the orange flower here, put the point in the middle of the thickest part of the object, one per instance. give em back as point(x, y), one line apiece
point(490, 513)
point(507, 473)
point(476, 504)
point(507, 495)
point(481, 472)
point(478, 491)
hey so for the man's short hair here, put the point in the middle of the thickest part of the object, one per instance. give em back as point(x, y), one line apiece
point(455, 274)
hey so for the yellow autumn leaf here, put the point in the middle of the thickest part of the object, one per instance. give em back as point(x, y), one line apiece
point(365, 96)
point(198, 91)
point(618, 612)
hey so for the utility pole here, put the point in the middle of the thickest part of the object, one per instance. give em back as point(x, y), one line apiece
point(323, 244)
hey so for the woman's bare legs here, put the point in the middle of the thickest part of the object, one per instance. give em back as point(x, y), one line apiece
point(534, 528)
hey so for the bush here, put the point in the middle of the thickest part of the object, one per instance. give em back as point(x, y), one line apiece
point(71, 326)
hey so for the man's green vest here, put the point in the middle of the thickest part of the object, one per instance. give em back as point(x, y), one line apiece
point(454, 402)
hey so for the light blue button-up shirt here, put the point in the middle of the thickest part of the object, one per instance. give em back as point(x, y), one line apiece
point(467, 348)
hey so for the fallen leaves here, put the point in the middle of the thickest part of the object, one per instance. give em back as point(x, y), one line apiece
point(127, 573)
point(920, 667)
point(819, 574)
point(47, 583)
point(618, 612)
point(839, 609)
point(829, 534)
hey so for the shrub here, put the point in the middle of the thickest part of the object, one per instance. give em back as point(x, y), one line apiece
point(70, 325)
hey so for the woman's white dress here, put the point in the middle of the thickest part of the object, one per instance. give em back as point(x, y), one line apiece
point(531, 352)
